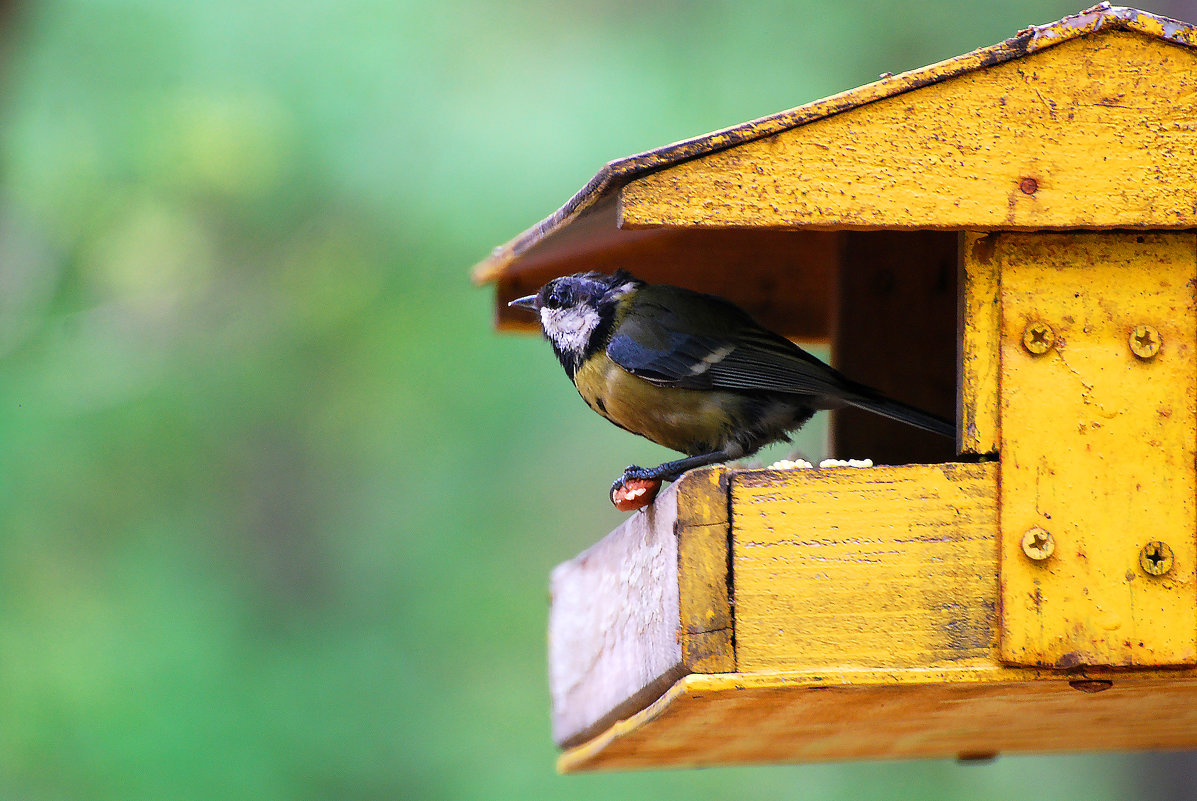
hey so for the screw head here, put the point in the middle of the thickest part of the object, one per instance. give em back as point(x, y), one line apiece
point(1145, 341)
point(1156, 558)
point(1038, 338)
point(1038, 544)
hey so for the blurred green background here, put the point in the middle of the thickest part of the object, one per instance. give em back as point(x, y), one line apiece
point(277, 506)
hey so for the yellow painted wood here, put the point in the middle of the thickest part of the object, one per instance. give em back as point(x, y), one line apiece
point(1098, 448)
point(889, 567)
point(706, 627)
point(819, 716)
point(977, 410)
point(1099, 131)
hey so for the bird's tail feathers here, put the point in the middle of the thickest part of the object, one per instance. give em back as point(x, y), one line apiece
point(872, 401)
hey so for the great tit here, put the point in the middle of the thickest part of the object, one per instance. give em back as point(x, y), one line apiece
point(691, 371)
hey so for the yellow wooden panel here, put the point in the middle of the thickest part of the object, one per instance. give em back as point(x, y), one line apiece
point(1098, 448)
point(978, 337)
point(802, 717)
point(706, 626)
point(882, 566)
point(1099, 131)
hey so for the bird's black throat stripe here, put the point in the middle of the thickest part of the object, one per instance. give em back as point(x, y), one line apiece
point(573, 361)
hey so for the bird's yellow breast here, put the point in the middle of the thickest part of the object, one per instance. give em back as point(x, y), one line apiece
point(686, 420)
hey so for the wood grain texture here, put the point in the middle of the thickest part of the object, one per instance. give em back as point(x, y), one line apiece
point(878, 567)
point(641, 608)
point(979, 318)
point(1099, 131)
point(805, 717)
point(1098, 448)
point(613, 642)
point(707, 627)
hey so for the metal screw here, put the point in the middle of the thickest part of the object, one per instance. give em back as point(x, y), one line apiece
point(1145, 341)
point(1038, 338)
point(1038, 544)
point(1156, 558)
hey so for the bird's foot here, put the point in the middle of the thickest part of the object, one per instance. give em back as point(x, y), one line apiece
point(629, 473)
point(640, 473)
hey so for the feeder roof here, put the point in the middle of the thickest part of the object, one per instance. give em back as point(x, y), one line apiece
point(591, 221)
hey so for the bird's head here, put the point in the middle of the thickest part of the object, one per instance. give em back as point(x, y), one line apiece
point(576, 311)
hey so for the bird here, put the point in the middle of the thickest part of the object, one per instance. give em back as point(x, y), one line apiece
point(692, 371)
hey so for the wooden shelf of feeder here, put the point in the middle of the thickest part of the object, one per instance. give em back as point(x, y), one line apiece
point(864, 624)
point(907, 589)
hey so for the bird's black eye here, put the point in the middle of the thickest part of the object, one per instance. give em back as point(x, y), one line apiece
point(559, 297)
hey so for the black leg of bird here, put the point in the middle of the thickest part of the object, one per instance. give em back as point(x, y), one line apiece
point(669, 471)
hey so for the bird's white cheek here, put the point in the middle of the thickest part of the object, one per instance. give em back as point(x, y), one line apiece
point(569, 329)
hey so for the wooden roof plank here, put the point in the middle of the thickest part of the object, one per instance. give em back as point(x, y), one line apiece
point(596, 196)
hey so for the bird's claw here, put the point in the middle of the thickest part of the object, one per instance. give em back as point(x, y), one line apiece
point(635, 472)
point(631, 472)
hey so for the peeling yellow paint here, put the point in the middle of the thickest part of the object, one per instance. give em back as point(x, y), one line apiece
point(1098, 448)
point(884, 566)
point(977, 412)
point(1093, 133)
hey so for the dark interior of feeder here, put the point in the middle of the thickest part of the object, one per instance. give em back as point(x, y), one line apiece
point(896, 330)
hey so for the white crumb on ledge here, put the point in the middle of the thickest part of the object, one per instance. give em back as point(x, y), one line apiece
point(802, 464)
point(846, 463)
point(786, 464)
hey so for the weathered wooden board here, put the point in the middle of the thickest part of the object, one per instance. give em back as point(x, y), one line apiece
point(1099, 131)
point(1098, 447)
point(641, 608)
point(891, 567)
point(980, 315)
point(865, 626)
point(805, 717)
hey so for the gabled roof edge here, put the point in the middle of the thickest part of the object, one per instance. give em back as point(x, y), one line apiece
point(620, 172)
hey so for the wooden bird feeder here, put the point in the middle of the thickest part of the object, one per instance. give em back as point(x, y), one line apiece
point(1009, 234)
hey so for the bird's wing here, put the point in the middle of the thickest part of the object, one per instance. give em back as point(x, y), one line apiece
point(684, 339)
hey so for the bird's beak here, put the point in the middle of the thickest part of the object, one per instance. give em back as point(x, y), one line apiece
point(528, 303)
